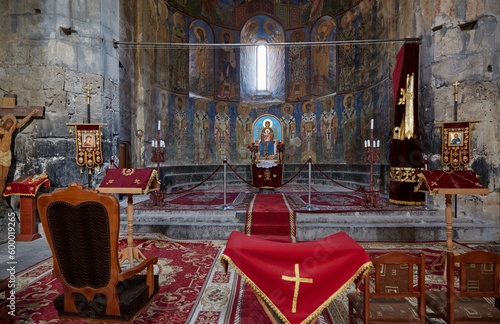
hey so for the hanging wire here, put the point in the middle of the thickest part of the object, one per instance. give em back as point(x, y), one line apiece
point(158, 45)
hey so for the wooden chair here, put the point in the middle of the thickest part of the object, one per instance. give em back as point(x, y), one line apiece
point(396, 297)
point(477, 274)
point(82, 227)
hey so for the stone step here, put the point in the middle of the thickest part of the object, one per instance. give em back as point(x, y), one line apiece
point(417, 225)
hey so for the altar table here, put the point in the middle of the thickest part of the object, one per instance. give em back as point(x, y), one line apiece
point(267, 176)
point(129, 182)
point(27, 187)
point(449, 183)
point(297, 281)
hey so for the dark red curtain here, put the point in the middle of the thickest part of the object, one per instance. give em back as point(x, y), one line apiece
point(406, 159)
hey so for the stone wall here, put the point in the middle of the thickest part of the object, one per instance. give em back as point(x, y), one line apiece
point(51, 51)
point(460, 42)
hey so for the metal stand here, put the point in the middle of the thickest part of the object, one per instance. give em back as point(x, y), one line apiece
point(309, 206)
point(157, 155)
point(372, 151)
point(225, 206)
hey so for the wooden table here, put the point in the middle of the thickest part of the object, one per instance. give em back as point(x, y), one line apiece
point(131, 252)
point(448, 192)
point(267, 177)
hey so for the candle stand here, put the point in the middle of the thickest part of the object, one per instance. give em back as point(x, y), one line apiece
point(372, 156)
point(157, 155)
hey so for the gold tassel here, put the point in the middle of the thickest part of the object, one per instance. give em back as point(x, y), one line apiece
point(90, 171)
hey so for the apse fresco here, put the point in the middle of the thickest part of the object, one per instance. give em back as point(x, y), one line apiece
point(323, 89)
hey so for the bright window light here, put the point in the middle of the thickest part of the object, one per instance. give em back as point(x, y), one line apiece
point(261, 68)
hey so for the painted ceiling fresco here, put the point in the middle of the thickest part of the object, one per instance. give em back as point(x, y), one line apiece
point(231, 13)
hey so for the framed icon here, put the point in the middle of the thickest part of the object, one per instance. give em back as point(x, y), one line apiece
point(455, 138)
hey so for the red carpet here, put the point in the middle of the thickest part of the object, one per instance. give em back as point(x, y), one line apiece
point(183, 268)
point(193, 286)
point(270, 216)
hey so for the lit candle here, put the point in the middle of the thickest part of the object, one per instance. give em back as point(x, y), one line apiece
point(371, 124)
point(159, 124)
point(368, 143)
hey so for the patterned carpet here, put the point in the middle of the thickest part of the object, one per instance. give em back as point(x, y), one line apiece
point(195, 287)
point(239, 198)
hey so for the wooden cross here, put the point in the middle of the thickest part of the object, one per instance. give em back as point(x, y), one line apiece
point(23, 111)
point(297, 279)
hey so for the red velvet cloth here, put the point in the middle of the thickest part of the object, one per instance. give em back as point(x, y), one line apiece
point(129, 178)
point(26, 185)
point(267, 177)
point(406, 156)
point(326, 268)
point(433, 180)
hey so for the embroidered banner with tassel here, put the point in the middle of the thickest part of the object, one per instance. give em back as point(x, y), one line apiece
point(456, 144)
point(88, 145)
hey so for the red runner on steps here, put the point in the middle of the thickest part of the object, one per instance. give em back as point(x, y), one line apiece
point(270, 217)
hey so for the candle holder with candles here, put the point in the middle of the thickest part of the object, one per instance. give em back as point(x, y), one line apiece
point(157, 156)
point(372, 156)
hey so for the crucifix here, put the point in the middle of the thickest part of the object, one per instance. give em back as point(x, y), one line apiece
point(455, 111)
point(8, 126)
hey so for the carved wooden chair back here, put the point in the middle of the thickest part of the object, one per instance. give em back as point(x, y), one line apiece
point(82, 229)
point(394, 292)
point(473, 289)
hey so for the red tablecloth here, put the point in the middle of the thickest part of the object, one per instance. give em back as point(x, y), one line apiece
point(129, 178)
point(438, 179)
point(267, 177)
point(297, 280)
point(26, 185)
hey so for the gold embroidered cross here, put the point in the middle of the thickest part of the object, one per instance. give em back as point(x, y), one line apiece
point(407, 95)
point(297, 279)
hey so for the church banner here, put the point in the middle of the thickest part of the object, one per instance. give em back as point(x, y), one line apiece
point(406, 159)
point(88, 145)
point(456, 144)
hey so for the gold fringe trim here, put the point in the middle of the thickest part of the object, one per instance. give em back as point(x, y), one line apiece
point(422, 180)
point(154, 176)
point(408, 203)
point(248, 226)
point(292, 217)
point(363, 271)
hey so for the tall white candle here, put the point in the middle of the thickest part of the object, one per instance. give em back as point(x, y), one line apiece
point(378, 143)
point(159, 124)
point(371, 124)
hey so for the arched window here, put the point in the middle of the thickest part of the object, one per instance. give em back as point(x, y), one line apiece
point(262, 68)
point(262, 71)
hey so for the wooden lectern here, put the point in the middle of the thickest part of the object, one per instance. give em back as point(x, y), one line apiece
point(448, 183)
point(27, 187)
point(130, 182)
